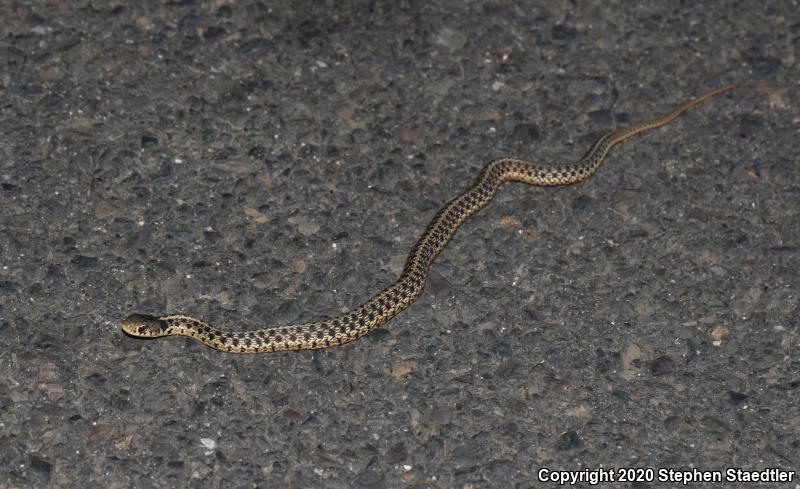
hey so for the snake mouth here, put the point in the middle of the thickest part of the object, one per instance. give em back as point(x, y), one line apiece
point(144, 326)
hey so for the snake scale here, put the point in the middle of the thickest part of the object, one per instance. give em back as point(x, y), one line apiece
point(398, 296)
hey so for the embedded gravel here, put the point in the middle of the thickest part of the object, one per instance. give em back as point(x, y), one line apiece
point(257, 163)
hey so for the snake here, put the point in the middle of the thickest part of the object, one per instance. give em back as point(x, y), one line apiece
point(390, 301)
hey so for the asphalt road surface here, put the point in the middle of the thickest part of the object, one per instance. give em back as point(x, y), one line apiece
point(258, 163)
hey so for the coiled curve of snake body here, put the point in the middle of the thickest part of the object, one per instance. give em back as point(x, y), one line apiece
point(398, 296)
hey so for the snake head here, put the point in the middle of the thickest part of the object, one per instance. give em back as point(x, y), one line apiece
point(143, 326)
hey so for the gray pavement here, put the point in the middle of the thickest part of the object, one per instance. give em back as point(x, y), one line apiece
point(258, 163)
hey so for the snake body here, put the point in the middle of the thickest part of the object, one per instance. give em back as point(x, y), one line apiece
point(401, 294)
